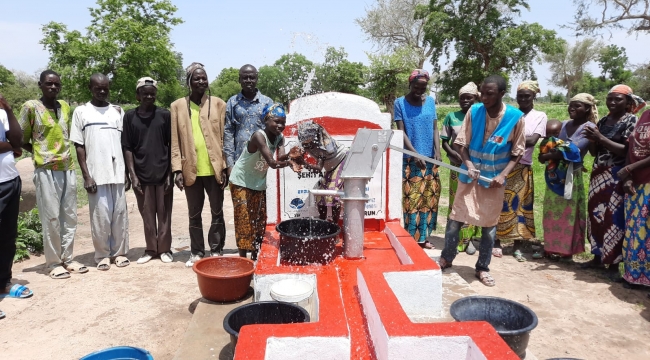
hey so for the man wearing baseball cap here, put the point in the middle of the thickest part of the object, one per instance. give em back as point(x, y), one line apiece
point(146, 142)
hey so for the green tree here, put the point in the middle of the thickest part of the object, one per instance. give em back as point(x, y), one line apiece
point(613, 62)
point(485, 38)
point(640, 81)
point(226, 84)
point(18, 87)
point(568, 65)
point(290, 77)
point(389, 73)
point(391, 24)
point(175, 88)
point(632, 15)
point(6, 76)
point(337, 73)
point(126, 39)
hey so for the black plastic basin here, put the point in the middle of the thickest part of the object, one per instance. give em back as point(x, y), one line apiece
point(512, 320)
point(264, 312)
point(305, 241)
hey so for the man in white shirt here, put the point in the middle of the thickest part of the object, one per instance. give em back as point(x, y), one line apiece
point(96, 132)
point(10, 185)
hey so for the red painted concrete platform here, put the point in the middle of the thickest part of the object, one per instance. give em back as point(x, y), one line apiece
point(352, 291)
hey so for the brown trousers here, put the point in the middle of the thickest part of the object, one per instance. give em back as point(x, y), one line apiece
point(154, 205)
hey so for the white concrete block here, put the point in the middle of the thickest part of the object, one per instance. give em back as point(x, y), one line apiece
point(433, 348)
point(308, 348)
point(418, 292)
point(339, 105)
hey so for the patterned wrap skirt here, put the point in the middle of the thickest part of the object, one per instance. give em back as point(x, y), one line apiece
point(636, 243)
point(330, 181)
point(606, 214)
point(517, 220)
point(420, 196)
point(565, 221)
point(250, 216)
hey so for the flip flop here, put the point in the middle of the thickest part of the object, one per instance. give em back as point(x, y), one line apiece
point(75, 267)
point(519, 256)
point(59, 272)
point(122, 261)
point(17, 291)
point(497, 252)
point(485, 278)
point(104, 265)
point(443, 264)
point(426, 245)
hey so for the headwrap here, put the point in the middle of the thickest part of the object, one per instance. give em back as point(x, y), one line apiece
point(310, 131)
point(418, 74)
point(469, 88)
point(531, 85)
point(591, 101)
point(276, 109)
point(639, 103)
point(189, 71)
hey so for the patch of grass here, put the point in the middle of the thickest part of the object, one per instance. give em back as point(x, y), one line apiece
point(553, 111)
point(30, 235)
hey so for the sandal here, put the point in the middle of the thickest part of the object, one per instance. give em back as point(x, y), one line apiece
point(76, 267)
point(554, 257)
point(426, 245)
point(519, 256)
point(59, 272)
point(443, 264)
point(485, 278)
point(122, 261)
point(497, 252)
point(104, 265)
point(18, 292)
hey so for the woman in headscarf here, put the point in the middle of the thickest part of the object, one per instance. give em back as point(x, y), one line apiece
point(198, 161)
point(330, 157)
point(467, 96)
point(565, 216)
point(415, 114)
point(606, 216)
point(635, 177)
point(517, 221)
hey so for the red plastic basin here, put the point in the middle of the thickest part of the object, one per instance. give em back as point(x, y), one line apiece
point(224, 279)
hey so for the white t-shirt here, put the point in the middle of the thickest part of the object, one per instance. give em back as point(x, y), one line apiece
point(99, 130)
point(7, 162)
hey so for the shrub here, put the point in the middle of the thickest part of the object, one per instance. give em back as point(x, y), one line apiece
point(30, 235)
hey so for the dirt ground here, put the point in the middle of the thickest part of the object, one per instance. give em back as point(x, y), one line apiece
point(581, 313)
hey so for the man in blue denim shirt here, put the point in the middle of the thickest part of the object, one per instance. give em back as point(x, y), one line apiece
point(243, 115)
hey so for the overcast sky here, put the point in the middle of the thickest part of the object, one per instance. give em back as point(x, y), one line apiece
point(225, 33)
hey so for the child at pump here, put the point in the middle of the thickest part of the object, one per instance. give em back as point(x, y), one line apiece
point(330, 156)
point(248, 179)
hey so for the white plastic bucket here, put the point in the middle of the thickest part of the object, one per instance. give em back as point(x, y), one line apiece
point(295, 291)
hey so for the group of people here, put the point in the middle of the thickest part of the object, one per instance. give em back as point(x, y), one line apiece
point(496, 141)
point(203, 144)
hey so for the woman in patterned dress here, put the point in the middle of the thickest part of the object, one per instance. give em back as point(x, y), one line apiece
point(605, 210)
point(415, 114)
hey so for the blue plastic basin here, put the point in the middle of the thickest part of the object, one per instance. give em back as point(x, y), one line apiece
point(120, 353)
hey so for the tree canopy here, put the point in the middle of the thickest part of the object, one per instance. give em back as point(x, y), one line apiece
point(389, 75)
point(290, 77)
point(391, 24)
point(126, 39)
point(483, 38)
point(631, 15)
point(226, 84)
point(339, 74)
point(18, 87)
point(568, 65)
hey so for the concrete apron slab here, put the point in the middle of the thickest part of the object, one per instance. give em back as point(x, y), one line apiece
point(205, 337)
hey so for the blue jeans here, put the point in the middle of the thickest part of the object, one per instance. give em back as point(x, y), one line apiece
point(488, 235)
